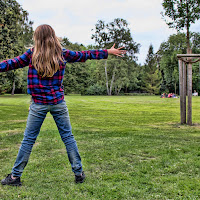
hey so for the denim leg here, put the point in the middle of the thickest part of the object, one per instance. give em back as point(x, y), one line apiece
point(61, 117)
point(35, 119)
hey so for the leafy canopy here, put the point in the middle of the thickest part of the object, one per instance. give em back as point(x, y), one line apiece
point(182, 12)
point(115, 32)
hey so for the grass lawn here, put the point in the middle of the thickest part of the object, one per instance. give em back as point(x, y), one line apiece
point(131, 148)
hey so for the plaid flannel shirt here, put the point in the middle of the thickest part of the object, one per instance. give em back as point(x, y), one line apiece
point(49, 90)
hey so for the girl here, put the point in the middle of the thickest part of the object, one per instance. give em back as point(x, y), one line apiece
point(47, 62)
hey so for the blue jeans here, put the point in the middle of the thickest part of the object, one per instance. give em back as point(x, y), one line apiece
point(35, 119)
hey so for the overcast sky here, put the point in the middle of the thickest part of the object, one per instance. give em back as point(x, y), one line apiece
point(74, 19)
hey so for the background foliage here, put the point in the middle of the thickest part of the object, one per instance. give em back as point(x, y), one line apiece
point(114, 76)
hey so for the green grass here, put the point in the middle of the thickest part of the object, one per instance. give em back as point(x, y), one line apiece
point(131, 148)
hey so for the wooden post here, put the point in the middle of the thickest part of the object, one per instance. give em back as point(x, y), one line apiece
point(185, 73)
point(180, 62)
point(184, 92)
point(189, 91)
point(199, 72)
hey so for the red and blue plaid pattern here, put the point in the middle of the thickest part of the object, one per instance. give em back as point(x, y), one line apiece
point(49, 90)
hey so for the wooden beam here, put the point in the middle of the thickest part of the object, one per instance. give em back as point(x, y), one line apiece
point(189, 60)
point(180, 63)
point(188, 55)
point(184, 91)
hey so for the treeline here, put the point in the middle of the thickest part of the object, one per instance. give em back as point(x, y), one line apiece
point(113, 76)
point(158, 74)
point(15, 34)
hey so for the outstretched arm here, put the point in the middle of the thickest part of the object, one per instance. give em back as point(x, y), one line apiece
point(82, 56)
point(15, 63)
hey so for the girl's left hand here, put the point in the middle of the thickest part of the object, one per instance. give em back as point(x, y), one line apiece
point(116, 52)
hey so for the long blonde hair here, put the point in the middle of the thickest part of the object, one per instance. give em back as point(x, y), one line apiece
point(47, 53)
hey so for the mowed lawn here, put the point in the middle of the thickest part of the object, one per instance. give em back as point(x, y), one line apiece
point(131, 148)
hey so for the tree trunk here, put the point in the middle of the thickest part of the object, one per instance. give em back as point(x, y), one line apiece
point(112, 81)
point(175, 87)
point(199, 76)
point(189, 114)
point(106, 77)
point(115, 90)
point(13, 89)
point(188, 31)
point(183, 117)
point(184, 71)
point(119, 90)
point(126, 89)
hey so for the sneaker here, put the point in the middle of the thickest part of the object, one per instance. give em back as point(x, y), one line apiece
point(80, 178)
point(9, 181)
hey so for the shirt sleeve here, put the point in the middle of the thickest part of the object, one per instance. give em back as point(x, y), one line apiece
point(82, 56)
point(15, 63)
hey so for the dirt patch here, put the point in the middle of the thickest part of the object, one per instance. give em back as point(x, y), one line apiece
point(145, 158)
point(184, 126)
point(62, 151)
point(17, 121)
point(5, 149)
point(173, 125)
point(11, 132)
point(13, 121)
point(196, 125)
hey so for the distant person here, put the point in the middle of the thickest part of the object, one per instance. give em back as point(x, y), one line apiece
point(162, 95)
point(195, 93)
point(47, 62)
point(169, 95)
point(174, 96)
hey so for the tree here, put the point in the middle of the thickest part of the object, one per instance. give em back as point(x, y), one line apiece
point(4, 83)
point(152, 76)
point(182, 13)
point(76, 75)
point(195, 43)
point(176, 44)
point(76, 78)
point(106, 34)
point(96, 76)
point(15, 33)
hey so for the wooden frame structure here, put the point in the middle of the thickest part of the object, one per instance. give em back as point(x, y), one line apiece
point(185, 84)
